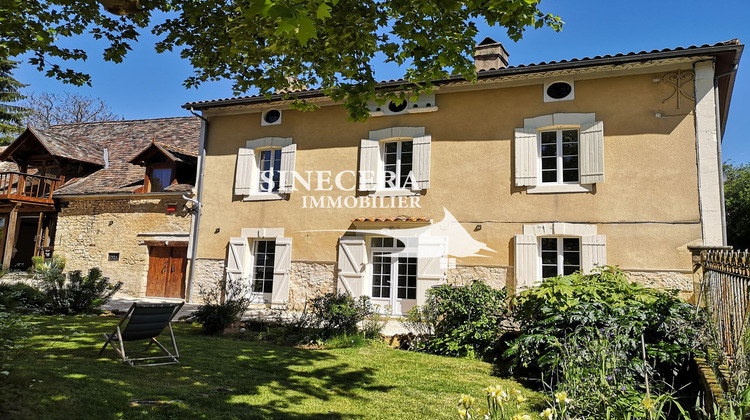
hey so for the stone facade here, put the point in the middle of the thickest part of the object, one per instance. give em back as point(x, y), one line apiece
point(496, 277)
point(308, 280)
point(88, 230)
point(665, 280)
point(208, 273)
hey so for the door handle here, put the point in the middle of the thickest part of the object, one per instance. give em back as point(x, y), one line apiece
point(172, 269)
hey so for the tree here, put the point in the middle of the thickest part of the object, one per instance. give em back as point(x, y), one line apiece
point(48, 109)
point(11, 116)
point(737, 201)
point(279, 45)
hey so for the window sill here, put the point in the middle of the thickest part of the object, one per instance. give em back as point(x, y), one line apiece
point(263, 197)
point(559, 188)
point(394, 193)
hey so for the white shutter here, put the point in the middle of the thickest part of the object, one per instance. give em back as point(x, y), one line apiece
point(243, 176)
point(281, 265)
point(369, 161)
point(526, 159)
point(351, 265)
point(593, 252)
point(421, 162)
point(591, 152)
point(431, 271)
point(288, 155)
point(238, 258)
point(527, 262)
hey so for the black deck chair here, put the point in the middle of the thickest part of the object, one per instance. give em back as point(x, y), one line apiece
point(145, 321)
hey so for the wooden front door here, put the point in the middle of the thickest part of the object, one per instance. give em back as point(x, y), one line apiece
point(166, 271)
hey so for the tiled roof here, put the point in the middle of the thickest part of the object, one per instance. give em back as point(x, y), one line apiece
point(527, 68)
point(124, 140)
point(392, 219)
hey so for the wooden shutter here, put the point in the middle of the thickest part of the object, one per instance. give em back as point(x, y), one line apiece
point(288, 154)
point(593, 252)
point(527, 262)
point(591, 152)
point(431, 271)
point(243, 177)
point(281, 265)
point(351, 265)
point(421, 162)
point(527, 156)
point(369, 161)
point(238, 259)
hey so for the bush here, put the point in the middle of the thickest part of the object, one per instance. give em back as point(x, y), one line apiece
point(78, 294)
point(339, 313)
point(22, 298)
point(585, 308)
point(226, 301)
point(464, 320)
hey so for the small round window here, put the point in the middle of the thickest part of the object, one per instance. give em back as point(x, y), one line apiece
point(272, 116)
point(559, 90)
point(393, 107)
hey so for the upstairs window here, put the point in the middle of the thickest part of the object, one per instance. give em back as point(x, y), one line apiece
point(160, 176)
point(558, 150)
point(560, 256)
point(397, 165)
point(269, 165)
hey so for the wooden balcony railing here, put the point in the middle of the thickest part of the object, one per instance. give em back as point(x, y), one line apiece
point(25, 187)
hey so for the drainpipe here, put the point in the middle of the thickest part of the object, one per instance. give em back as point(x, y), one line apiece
point(720, 142)
point(195, 222)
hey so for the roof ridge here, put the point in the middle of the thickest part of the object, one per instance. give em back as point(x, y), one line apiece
point(124, 121)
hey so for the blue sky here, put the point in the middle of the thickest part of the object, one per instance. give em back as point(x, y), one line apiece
point(149, 85)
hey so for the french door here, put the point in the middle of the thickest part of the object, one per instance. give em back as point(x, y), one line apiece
point(394, 275)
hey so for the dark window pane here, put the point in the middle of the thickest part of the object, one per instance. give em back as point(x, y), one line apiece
point(549, 257)
point(570, 149)
point(549, 150)
point(386, 292)
point(549, 137)
point(377, 242)
point(258, 287)
point(549, 244)
point(401, 293)
point(413, 282)
point(549, 163)
point(570, 175)
point(549, 176)
point(569, 136)
point(570, 162)
point(406, 147)
point(412, 294)
point(569, 270)
point(571, 244)
point(391, 147)
point(571, 258)
point(549, 271)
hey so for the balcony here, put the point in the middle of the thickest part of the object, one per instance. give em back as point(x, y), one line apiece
point(18, 186)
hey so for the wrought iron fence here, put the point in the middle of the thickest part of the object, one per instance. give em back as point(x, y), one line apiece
point(727, 290)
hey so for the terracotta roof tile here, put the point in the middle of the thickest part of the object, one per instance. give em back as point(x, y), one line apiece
point(392, 219)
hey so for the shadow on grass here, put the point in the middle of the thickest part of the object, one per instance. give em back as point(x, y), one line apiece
point(217, 378)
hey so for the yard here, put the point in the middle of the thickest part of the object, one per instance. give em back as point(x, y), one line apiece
point(62, 377)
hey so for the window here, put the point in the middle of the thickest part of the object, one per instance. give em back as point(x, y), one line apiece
point(113, 256)
point(394, 270)
point(397, 165)
point(559, 153)
point(160, 176)
point(263, 266)
point(559, 91)
point(558, 150)
point(269, 164)
point(560, 256)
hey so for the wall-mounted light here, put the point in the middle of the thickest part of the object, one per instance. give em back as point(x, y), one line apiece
point(477, 228)
point(217, 230)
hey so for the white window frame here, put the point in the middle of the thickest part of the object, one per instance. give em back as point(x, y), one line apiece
point(383, 185)
point(559, 263)
point(559, 158)
point(394, 264)
point(390, 135)
point(258, 146)
point(258, 161)
point(262, 297)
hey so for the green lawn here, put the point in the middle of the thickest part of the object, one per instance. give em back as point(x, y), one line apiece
point(230, 378)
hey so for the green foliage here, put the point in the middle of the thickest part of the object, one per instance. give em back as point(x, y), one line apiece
point(14, 330)
point(22, 298)
point(339, 313)
point(225, 303)
point(280, 45)
point(343, 341)
point(11, 115)
point(76, 294)
point(465, 320)
point(737, 199)
point(582, 308)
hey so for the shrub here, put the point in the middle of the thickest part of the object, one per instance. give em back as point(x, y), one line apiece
point(465, 320)
point(226, 301)
point(76, 294)
point(22, 298)
point(339, 313)
point(584, 307)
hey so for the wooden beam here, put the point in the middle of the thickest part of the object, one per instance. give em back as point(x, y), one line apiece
point(10, 237)
point(38, 237)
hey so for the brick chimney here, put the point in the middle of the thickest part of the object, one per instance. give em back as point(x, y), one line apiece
point(490, 54)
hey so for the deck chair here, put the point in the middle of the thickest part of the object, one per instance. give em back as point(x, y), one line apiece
point(145, 321)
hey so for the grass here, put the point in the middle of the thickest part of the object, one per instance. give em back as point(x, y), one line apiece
point(225, 378)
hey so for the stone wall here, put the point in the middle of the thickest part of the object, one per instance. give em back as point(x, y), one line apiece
point(665, 280)
point(496, 277)
point(89, 230)
point(208, 273)
point(308, 280)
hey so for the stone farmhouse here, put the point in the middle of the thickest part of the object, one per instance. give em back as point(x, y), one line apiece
point(534, 171)
point(114, 195)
